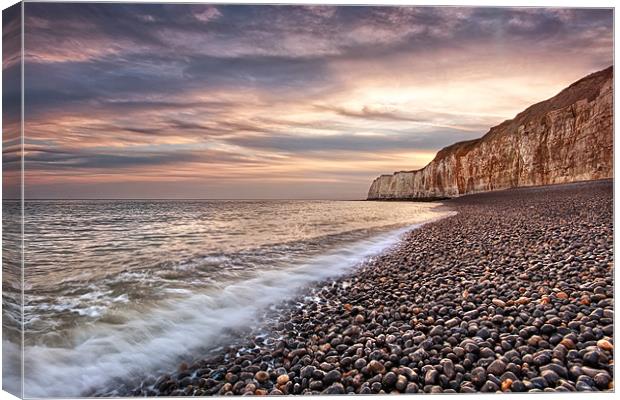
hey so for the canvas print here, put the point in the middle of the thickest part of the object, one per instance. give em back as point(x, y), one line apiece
point(211, 199)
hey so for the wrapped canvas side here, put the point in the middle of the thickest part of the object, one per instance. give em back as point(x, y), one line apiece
point(12, 201)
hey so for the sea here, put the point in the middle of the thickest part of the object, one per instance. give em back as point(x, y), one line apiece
point(117, 291)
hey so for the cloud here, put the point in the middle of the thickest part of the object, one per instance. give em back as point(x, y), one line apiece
point(209, 13)
point(421, 117)
point(11, 37)
point(40, 158)
point(352, 143)
point(275, 72)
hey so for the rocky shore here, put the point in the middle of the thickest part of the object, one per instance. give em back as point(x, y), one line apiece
point(514, 293)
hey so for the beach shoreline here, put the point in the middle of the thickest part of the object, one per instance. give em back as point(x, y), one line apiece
point(513, 293)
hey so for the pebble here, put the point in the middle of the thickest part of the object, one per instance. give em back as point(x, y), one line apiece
point(282, 379)
point(542, 357)
point(359, 363)
point(401, 383)
point(583, 387)
point(307, 371)
point(605, 345)
point(484, 333)
point(448, 368)
point(478, 376)
point(412, 388)
point(568, 343)
point(559, 369)
point(262, 376)
point(331, 377)
point(602, 380)
point(499, 303)
point(550, 376)
point(335, 388)
point(489, 387)
point(522, 300)
point(518, 386)
point(375, 367)
point(389, 380)
point(436, 331)
point(592, 358)
point(451, 323)
point(496, 368)
point(431, 376)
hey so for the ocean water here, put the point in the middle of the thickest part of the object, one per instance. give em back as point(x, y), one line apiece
point(116, 291)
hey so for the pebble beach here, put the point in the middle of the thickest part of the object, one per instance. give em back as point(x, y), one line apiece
point(514, 293)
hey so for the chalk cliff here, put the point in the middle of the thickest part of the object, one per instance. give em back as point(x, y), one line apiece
point(566, 138)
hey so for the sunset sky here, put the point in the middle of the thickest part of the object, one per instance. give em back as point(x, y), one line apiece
point(199, 101)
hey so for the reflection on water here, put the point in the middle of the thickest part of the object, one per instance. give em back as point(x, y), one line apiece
point(11, 296)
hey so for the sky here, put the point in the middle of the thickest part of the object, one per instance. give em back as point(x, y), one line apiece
point(296, 102)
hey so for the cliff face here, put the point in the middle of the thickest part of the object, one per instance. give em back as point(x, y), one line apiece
point(567, 138)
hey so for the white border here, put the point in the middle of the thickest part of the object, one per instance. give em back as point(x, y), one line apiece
point(488, 3)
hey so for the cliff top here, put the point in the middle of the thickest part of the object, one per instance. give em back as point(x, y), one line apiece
point(585, 88)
